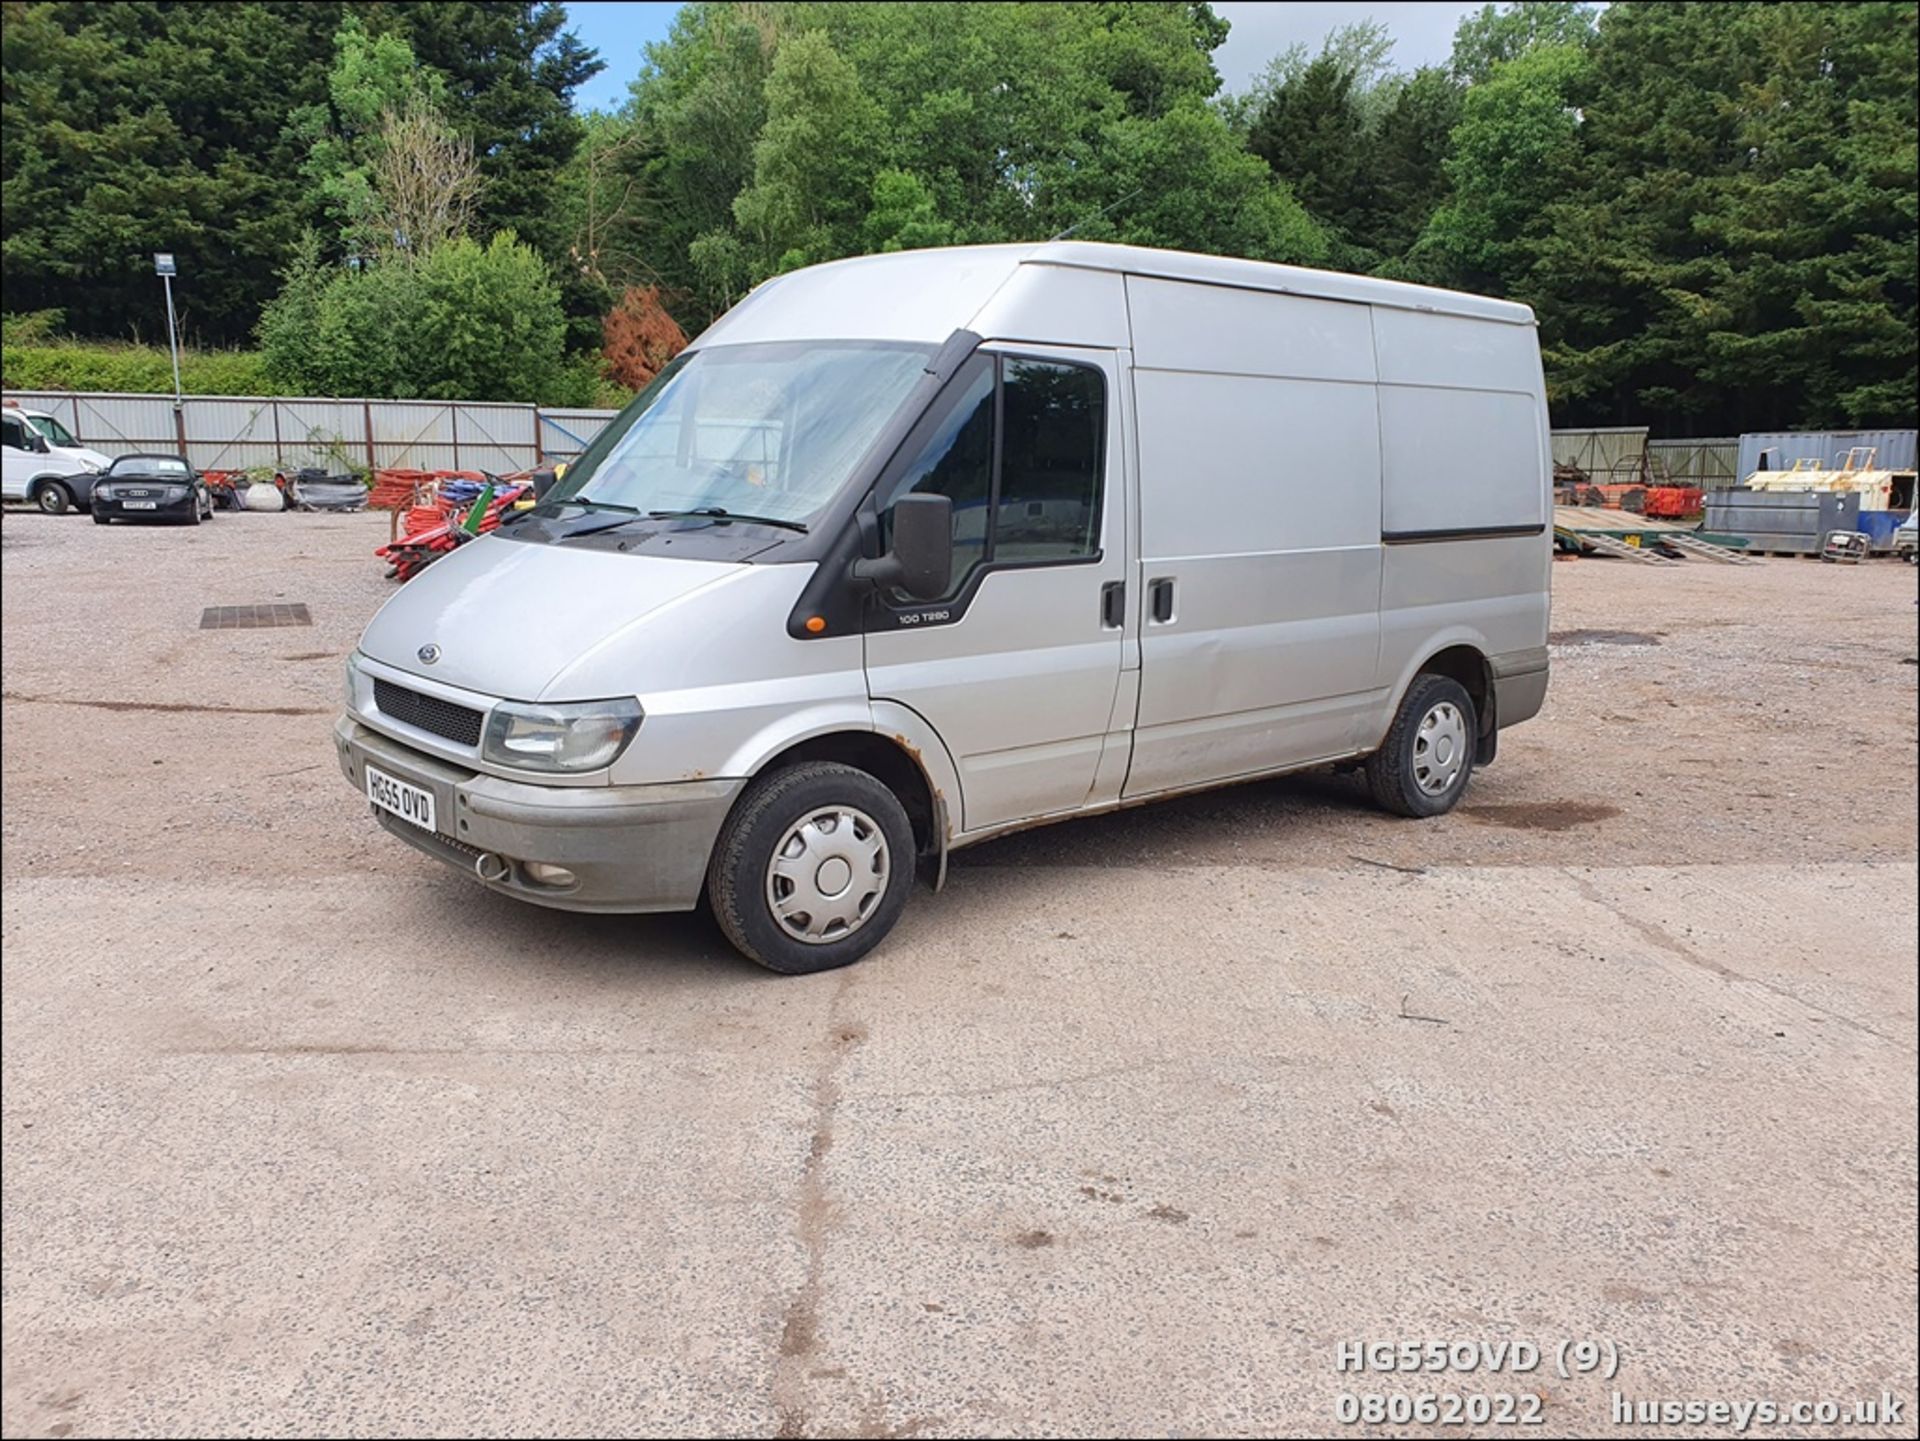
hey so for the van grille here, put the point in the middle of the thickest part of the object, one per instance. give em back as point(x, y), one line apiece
point(457, 723)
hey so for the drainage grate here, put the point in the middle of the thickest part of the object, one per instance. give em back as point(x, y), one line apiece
point(254, 617)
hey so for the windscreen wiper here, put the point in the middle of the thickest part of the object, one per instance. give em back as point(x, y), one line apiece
point(722, 515)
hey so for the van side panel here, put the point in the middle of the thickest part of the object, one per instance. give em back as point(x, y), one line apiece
point(1260, 509)
point(1465, 497)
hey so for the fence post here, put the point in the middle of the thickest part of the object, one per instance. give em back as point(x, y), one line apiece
point(453, 423)
point(180, 429)
point(539, 423)
point(366, 412)
point(278, 459)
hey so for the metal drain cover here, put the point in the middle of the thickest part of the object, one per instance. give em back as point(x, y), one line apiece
point(254, 617)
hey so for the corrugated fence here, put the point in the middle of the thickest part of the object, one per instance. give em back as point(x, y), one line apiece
point(237, 432)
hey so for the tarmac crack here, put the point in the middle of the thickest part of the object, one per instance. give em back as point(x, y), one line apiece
point(814, 1218)
point(1662, 939)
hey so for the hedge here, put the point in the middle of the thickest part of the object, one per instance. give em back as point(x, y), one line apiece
point(134, 369)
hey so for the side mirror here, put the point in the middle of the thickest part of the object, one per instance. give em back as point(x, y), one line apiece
point(37, 443)
point(921, 560)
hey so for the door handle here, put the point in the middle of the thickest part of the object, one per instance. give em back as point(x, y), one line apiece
point(1113, 604)
point(1160, 599)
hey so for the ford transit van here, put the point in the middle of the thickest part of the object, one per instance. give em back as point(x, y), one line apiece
point(909, 551)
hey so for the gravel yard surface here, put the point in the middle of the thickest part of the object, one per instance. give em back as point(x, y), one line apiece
point(1127, 1131)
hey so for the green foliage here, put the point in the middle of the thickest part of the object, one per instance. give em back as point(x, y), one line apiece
point(776, 135)
point(372, 77)
point(132, 369)
point(1516, 147)
point(1712, 207)
point(1495, 34)
point(466, 322)
point(33, 327)
point(1737, 247)
point(135, 127)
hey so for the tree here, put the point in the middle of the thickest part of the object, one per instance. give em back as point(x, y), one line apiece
point(462, 322)
point(639, 338)
point(814, 161)
point(1738, 248)
point(135, 127)
point(1406, 161)
point(1362, 51)
point(1516, 148)
point(1494, 34)
point(373, 80)
point(424, 179)
point(1310, 133)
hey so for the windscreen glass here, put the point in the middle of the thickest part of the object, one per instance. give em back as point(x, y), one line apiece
point(752, 430)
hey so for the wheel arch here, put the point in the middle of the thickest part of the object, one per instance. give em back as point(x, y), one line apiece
point(1459, 654)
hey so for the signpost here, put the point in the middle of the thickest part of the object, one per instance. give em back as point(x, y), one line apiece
point(163, 267)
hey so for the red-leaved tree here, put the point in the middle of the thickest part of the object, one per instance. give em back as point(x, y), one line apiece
point(638, 337)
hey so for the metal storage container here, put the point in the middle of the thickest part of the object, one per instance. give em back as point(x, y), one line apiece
point(1792, 521)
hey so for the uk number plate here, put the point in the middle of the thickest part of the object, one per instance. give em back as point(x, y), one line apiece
point(410, 803)
point(141, 504)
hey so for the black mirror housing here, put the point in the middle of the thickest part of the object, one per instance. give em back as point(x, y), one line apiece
point(921, 560)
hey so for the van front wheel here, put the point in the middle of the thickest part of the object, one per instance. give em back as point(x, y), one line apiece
point(1421, 769)
point(812, 869)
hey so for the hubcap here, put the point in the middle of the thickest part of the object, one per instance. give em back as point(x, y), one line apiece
point(827, 874)
point(1439, 748)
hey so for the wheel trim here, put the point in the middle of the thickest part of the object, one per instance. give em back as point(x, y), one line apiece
point(828, 874)
point(1439, 748)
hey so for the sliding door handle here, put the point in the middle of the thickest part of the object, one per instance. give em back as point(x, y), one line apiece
point(1160, 600)
point(1113, 604)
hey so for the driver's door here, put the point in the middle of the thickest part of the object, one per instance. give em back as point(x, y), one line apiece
point(1018, 665)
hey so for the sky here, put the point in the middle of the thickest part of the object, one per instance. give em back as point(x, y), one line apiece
point(1423, 34)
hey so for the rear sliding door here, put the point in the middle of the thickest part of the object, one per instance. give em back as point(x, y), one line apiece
point(1259, 575)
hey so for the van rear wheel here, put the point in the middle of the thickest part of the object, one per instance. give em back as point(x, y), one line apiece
point(1422, 767)
point(812, 869)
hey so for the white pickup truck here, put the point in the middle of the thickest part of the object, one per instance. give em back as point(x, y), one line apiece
point(44, 464)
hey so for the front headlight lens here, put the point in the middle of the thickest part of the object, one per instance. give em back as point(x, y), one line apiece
point(176, 492)
point(579, 736)
point(105, 492)
point(353, 681)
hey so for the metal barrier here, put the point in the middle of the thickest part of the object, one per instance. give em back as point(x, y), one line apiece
point(238, 432)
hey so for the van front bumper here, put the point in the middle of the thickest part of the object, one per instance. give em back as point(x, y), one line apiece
point(630, 848)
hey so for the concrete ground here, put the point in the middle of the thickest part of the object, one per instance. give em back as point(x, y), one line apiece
point(1124, 1133)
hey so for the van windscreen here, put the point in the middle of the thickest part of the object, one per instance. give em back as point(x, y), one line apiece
point(761, 430)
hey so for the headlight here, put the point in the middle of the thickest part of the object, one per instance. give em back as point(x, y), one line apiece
point(353, 682)
point(103, 490)
point(582, 736)
point(176, 492)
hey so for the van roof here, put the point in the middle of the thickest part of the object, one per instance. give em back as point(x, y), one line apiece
point(1282, 279)
point(923, 296)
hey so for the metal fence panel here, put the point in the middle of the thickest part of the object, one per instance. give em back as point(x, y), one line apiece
point(238, 432)
point(416, 434)
point(1702, 463)
point(497, 438)
point(1613, 455)
point(1896, 448)
point(564, 434)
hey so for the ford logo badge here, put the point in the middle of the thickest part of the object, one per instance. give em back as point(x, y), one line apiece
point(429, 653)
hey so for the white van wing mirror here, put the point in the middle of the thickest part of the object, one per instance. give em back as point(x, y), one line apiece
point(921, 559)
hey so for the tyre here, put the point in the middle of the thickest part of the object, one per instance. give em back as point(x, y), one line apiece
point(812, 869)
point(1422, 767)
point(53, 498)
point(99, 519)
point(193, 511)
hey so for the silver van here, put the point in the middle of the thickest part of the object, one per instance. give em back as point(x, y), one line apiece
point(912, 550)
